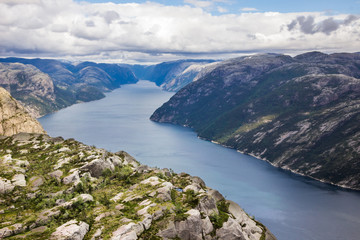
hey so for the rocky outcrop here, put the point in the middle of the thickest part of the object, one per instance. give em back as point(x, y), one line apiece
point(14, 118)
point(95, 194)
point(29, 85)
point(298, 113)
point(72, 230)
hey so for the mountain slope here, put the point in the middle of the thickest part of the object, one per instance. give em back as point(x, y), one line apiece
point(59, 84)
point(298, 113)
point(174, 75)
point(14, 118)
point(53, 188)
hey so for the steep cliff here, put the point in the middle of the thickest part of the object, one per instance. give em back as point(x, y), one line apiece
point(51, 188)
point(299, 114)
point(14, 118)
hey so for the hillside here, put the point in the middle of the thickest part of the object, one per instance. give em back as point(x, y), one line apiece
point(299, 113)
point(173, 75)
point(51, 188)
point(44, 86)
point(14, 118)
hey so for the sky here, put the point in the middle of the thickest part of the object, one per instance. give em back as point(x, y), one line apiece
point(154, 31)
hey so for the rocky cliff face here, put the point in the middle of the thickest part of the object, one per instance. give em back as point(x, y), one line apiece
point(51, 188)
point(28, 85)
point(14, 118)
point(299, 113)
point(45, 86)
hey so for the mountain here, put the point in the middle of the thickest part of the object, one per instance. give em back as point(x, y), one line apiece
point(51, 188)
point(14, 118)
point(299, 113)
point(45, 85)
point(174, 75)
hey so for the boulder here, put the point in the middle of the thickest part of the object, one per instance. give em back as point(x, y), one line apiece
point(250, 227)
point(56, 174)
point(19, 180)
point(5, 185)
point(198, 181)
point(189, 229)
point(164, 193)
point(207, 205)
point(129, 231)
point(12, 230)
point(97, 167)
point(216, 195)
point(231, 230)
point(72, 230)
point(72, 178)
point(194, 187)
point(35, 182)
point(152, 181)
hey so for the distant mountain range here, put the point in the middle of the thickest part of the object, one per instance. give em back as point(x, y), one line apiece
point(300, 114)
point(45, 85)
point(174, 75)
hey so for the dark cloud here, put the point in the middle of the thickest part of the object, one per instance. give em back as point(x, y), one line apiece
point(307, 24)
point(328, 25)
point(350, 19)
point(292, 25)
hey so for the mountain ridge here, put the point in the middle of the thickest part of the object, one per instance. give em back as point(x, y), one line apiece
point(297, 113)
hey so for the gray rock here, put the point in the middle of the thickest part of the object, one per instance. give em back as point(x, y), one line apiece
point(72, 230)
point(198, 181)
point(12, 230)
point(129, 231)
point(207, 205)
point(19, 180)
point(72, 178)
point(216, 195)
point(146, 222)
point(207, 226)
point(5, 185)
point(143, 169)
point(231, 230)
point(189, 229)
point(194, 187)
point(97, 167)
point(35, 182)
point(164, 193)
point(56, 174)
point(128, 159)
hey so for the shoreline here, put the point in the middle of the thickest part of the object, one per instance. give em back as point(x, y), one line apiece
point(343, 187)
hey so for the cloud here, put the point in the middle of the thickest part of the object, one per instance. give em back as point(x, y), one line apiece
point(198, 3)
point(222, 10)
point(308, 25)
point(154, 32)
point(249, 9)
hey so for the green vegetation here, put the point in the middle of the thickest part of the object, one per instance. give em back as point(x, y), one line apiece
point(300, 112)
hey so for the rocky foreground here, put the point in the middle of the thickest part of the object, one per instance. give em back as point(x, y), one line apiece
point(51, 188)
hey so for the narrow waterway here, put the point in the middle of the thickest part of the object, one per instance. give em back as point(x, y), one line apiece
point(291, 206)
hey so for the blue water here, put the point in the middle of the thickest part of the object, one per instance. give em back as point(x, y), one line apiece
point(291, 206)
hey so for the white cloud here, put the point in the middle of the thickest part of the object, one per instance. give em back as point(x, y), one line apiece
point(144, 32)
point(222, 10)
point(249, 9)
point(198, 3)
